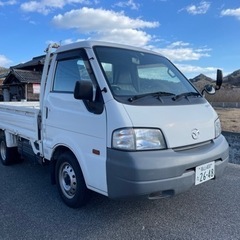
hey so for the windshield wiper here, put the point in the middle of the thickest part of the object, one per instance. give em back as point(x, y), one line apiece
point(154, 94)
point(185, 95)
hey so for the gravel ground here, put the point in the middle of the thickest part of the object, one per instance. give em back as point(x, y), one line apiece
point(231, 130)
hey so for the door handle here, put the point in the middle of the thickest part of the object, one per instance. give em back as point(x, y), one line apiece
point(46, 112)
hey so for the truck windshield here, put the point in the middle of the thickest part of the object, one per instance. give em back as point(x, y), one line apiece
point(135, 75)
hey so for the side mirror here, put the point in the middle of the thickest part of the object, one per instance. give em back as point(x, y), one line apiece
point(83, 90)
point(219, 79)
point(212, 90)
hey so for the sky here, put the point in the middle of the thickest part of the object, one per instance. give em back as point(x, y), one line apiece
point(197, 36)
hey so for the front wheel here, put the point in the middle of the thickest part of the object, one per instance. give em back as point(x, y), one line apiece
point(70, 181)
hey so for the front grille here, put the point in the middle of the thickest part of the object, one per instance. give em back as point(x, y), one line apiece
point(189, 147)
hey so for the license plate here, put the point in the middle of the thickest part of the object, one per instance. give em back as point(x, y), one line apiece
point(204, 172)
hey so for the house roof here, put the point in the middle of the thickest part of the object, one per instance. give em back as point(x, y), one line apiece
point(22, 76)
point(36, 61)
point(3, 75)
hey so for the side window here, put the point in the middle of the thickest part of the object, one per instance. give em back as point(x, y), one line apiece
point(73, 66)
point(108, 69)
point(69, 71)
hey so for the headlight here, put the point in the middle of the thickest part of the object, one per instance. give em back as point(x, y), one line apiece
point(138, 139)
point(218, 128)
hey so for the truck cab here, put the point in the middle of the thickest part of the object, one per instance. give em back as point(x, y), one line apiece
point(125, 122)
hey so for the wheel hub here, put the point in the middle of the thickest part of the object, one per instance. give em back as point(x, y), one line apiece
point(68, 181)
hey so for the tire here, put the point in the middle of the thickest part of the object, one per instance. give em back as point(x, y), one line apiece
point(70, 181)
point(8, 155)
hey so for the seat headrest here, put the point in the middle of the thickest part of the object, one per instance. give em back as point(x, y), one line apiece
point(124, 77)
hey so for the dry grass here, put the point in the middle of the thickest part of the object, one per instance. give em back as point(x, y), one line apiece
point(225, 95)
point(229, 118)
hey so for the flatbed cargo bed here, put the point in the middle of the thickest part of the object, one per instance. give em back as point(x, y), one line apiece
point(20, 118)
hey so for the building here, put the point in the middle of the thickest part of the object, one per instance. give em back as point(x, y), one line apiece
point(3, 73)
point(21, 85)
point(23, 81)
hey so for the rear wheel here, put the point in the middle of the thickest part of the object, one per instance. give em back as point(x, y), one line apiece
point(70, 181)
point(8, 155)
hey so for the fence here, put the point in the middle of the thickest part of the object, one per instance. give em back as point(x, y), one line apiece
point(226, 104)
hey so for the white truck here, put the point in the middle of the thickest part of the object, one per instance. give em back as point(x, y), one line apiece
point(117, 120)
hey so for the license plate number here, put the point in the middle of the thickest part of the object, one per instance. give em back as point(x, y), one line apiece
point(204, 172)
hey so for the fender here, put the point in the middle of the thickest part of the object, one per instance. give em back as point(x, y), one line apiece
point(82, 152)
point(11, 139)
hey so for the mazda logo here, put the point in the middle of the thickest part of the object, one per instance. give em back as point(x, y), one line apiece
point(195, 134)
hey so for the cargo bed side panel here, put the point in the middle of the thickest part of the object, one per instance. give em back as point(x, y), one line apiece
point(20, 118)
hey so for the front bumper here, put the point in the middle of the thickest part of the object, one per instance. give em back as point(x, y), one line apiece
point(165, 172)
